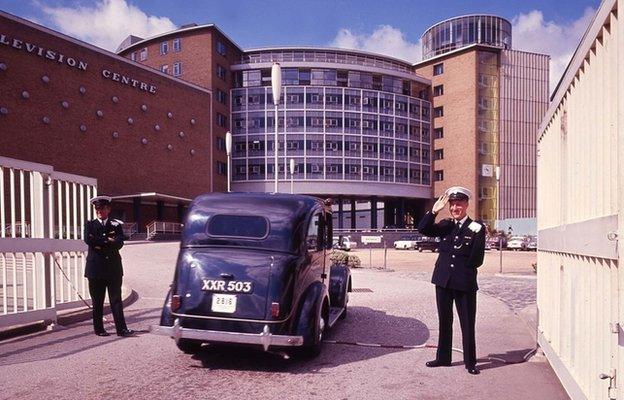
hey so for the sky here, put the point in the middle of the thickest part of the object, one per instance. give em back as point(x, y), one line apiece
point(390, 27)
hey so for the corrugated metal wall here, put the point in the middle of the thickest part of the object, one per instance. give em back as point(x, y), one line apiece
point(579, 198)
point(523, 103)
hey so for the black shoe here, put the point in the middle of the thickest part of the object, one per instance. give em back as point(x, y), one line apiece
point(437, 363)
point(103, 333)
point(473, 371)
point(125, 332)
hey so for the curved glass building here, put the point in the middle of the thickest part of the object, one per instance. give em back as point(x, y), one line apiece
point(355, 123)
point(458, 32)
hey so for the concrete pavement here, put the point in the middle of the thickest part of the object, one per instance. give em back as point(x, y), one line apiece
point(399, 309)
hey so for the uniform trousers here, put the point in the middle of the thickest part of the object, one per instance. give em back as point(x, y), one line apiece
point(466, 304)
point(97, 289)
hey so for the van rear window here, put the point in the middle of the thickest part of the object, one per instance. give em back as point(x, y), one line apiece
point(241, 226)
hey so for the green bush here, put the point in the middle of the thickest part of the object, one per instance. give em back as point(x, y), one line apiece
point(342, 258)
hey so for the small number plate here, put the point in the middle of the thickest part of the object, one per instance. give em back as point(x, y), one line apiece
point(224, 303)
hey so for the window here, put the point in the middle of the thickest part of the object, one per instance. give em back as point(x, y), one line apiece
point(247, 226)
point(164, 48)
point(133, 56)
point(221, 96)
point(221, 72)
point(438, 112)
point(177, 69)
point(164, 68)
point(220, 143)
point(221, 49)
point(438, 90)
point(221, 120)
point(438, 175)
point(438, 133)
point(177, 45)
point(438, 69)
point(221, 168)
point(143, 54)
point(312, 239)
point(438, 154)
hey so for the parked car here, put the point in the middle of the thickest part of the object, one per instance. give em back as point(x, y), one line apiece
point(495, 242)
point(428, 243)
point(341, 243)
point(254, 269)
point(518, 243)
point(532, 245)
point(406, 242)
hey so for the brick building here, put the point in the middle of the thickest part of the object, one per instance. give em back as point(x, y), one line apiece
point(147, 137)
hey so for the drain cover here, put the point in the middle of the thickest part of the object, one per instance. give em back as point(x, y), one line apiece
point(362, 290)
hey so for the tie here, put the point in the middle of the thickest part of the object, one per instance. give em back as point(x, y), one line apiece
point(458, 225)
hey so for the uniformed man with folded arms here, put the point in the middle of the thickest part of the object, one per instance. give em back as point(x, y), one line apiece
point(103, 269)
point(461, 252)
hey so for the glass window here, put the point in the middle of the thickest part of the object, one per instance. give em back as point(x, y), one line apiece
point(164, 48)
point(177, 45)
point(221, 49)
point(438, 154)
point(143, 54)
point(438, 69)
point(438, 90)
point(221, 73)
point(221, 168)
point(245, 226)
point(438, 111)
point(439, 133)
point(164, 68)
point(177, 69)
point(438, 175)
point(221, 96)
point(133, 56)
point(221, 120)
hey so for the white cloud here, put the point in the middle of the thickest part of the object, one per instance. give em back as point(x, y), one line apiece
point(105, 24)
point(384, 40)
point(532, 33)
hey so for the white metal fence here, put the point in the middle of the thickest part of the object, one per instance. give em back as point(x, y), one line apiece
point(157, 227)
point(42, 254)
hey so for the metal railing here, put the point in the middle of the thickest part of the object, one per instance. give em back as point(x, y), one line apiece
point(130, 228)
point(42, 254)
point(158, 227)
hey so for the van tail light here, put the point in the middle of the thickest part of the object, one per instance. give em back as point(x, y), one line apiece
point(275, 310)
point(175, 302)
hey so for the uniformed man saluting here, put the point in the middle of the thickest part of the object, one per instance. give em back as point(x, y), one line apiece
point(462, 247)
point(103, 268)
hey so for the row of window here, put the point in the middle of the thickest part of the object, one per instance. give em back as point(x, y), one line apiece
point(328, 77)
point(348, 171)
point(368, 149)
point(367, 122)
point(176, 69)
point(176, 45)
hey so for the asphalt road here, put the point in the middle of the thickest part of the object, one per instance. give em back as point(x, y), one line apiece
point(72, 363)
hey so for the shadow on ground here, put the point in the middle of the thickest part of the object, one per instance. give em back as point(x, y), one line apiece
point(363, 324)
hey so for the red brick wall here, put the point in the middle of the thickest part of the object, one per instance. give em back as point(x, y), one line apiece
point(122, 165)
point(459, 122)
point(199, 59)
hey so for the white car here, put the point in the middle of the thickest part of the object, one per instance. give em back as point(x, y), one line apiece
point(406, 243)
point(517, 243)
point(345, 245)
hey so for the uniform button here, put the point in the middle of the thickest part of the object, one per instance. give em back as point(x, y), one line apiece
point(453, 256)
point(452, 265)
point(456, 237)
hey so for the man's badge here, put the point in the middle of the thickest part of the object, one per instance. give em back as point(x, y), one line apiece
point(474, 226)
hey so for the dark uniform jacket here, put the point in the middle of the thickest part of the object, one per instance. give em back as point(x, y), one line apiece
point(103, 259)
point(461, 252)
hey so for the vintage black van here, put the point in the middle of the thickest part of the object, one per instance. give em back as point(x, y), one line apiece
point(254, 269)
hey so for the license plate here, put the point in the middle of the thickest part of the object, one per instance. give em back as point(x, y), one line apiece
point(224, 303)
point(218, 285)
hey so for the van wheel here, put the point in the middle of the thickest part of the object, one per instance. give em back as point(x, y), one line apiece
point(420, 249)
point(189, 346)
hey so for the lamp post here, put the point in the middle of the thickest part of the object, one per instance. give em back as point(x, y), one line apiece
point(276, 87)
point(228, 150)
point(292, 176)
point(497, 224)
